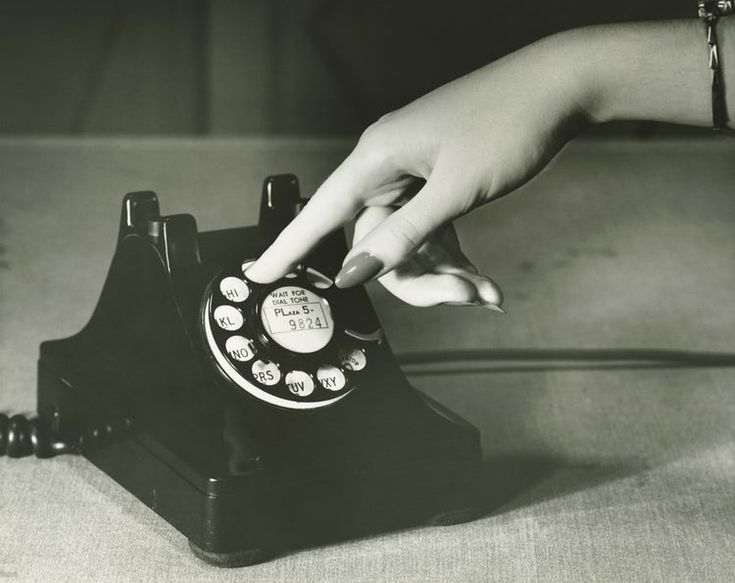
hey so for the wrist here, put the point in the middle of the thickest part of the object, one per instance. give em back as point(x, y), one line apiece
point(563, 60)
point(580, 67)
point(644, 71)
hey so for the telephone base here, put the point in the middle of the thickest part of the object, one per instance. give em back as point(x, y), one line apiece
point(452, 517)
point(254, 515)
point(244, 558)
point(249, 557)
point(244, 470)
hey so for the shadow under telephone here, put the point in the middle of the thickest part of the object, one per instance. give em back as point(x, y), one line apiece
point(254, 418)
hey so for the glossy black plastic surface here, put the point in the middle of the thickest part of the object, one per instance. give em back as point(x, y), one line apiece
point(240, 478)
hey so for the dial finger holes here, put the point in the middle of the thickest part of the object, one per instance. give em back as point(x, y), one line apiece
point(240, 348)
point(234, 289)
point(330, 377)
point(228, 318)
point(266, 372)
point(299, 383)
point(352, 359)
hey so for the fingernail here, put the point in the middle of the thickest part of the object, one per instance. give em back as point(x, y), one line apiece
point(357, 270)
point(247, 274)
point(479, 303)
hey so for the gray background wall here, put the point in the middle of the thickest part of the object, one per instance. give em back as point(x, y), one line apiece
point(256, 66)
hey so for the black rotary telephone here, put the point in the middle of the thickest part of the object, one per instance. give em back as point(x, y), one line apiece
point(254, 418)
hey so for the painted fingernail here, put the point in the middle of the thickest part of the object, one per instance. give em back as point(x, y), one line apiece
point(478, 303)
point(357, 270)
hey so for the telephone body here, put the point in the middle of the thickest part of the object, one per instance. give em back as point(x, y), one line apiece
point(255, 419)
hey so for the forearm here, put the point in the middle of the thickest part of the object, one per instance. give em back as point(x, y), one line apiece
point(654, 71)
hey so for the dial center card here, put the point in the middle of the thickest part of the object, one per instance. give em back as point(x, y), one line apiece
point(297, 319)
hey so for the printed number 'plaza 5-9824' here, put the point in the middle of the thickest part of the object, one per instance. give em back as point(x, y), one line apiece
point(297, 319)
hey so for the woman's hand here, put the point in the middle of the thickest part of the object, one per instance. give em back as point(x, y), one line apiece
point(483, 135)
point(418, 168)
point(477, 139)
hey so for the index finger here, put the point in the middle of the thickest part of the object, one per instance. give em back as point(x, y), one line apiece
point(335, 203)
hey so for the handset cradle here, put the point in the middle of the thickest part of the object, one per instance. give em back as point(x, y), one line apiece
point(256, 419)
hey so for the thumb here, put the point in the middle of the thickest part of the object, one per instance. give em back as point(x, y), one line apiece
point(391, 242)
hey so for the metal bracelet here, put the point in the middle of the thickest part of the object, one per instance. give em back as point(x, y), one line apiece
point(710, 12)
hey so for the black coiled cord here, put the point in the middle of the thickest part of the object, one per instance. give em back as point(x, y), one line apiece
point(20, 437)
